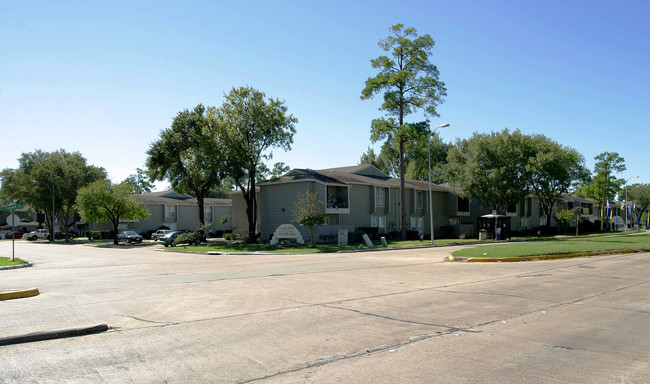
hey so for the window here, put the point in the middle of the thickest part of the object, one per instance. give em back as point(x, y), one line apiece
point(170, 211)
point(463, 204)
point(419, 198)
point(379, 222)
point(380, 198)
point(417, 224)
point(512, 208)
point(208, 213)
point(337, 197)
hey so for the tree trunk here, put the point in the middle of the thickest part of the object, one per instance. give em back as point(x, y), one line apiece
point(402, 187)
point(115, 225)
point(200, 200)
point(312, 241)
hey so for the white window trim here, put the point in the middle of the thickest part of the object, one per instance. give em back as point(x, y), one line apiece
point(377, 189)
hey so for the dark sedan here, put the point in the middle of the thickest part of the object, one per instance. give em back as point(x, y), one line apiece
point(129, 237)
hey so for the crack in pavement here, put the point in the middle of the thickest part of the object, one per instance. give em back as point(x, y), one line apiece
point(451, 328)
point(418, 338)
point(160, 323)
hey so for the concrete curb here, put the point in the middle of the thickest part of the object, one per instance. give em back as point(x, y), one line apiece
point(539, 257)
point(50, 335)
point(16, 266)
point(19, 294)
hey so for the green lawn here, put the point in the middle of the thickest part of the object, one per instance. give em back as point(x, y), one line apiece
point(559, 246)
point(320, 248)
point(5, 262)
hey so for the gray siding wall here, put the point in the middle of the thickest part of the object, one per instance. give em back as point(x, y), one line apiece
point(239, 219)
point(187, 217)
point(276, 203)
point(217, 213)
point(360, 206)
point(151, 223)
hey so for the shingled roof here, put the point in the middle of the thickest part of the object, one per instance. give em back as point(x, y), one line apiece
point(173, 198)
point(359, 174)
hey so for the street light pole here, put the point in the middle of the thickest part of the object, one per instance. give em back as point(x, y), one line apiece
point(627, 202)
point(430, 191)
point(53, 216)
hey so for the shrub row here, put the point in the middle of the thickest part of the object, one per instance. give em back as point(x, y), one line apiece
point(100, 235)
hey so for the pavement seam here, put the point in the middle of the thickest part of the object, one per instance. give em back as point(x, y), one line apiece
point(418, 338)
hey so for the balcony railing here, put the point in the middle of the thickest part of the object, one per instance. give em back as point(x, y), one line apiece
point(336, 205)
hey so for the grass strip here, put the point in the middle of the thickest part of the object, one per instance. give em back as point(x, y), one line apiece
point(319, 248)
point(6, 262)
point(558, 247)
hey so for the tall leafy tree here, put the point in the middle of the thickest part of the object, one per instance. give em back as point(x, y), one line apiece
point(102, 201)
point(608, 164)
point(604, 184)
point(553, 169)
point(386, 161)
point(638, 195)
point(279, 169)
point(417, 158)
point(49, 182)
point(189, 155)
point(139, 182)
point(491, 167)
point(409, 82)
point(248, 126)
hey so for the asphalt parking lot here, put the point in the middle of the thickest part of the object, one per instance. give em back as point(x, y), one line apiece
point(380, 317)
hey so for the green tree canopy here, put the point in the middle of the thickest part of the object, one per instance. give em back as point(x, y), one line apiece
point(491, 167)
point(409, 82)
point(386, 161)
point(279, 169)
point(102, 202)
point(416, 158)
point(139, 182)
point(638, 195)
point(49, 183)
point(604, 185)
point(309, 211)
point(189, 155)
point(248, 125)
point(553, 169)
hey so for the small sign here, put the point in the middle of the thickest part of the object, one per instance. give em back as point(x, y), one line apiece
point(287, 231)
point(343, 236)
point(494, 212)
point(11, 207)
point(13, 220)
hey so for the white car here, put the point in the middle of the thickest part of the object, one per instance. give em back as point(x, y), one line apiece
point(160, 234)
point(38, 234)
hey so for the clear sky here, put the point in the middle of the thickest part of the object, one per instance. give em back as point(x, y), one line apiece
point(104, 78)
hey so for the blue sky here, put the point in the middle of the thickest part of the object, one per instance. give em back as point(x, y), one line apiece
point(104, 78)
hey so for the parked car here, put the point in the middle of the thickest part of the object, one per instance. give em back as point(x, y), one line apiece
point(14, 235)
point(129, 237)
point(169, 239)
point(61, 235)
point(38, 234)
point(159, 234)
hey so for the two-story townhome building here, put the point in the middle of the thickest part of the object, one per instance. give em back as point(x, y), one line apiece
point(353, 197)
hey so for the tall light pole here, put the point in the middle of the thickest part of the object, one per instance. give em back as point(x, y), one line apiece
point(627, 202)
point(430, 191)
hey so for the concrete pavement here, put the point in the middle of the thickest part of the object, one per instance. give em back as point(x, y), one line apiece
point(397, 316)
